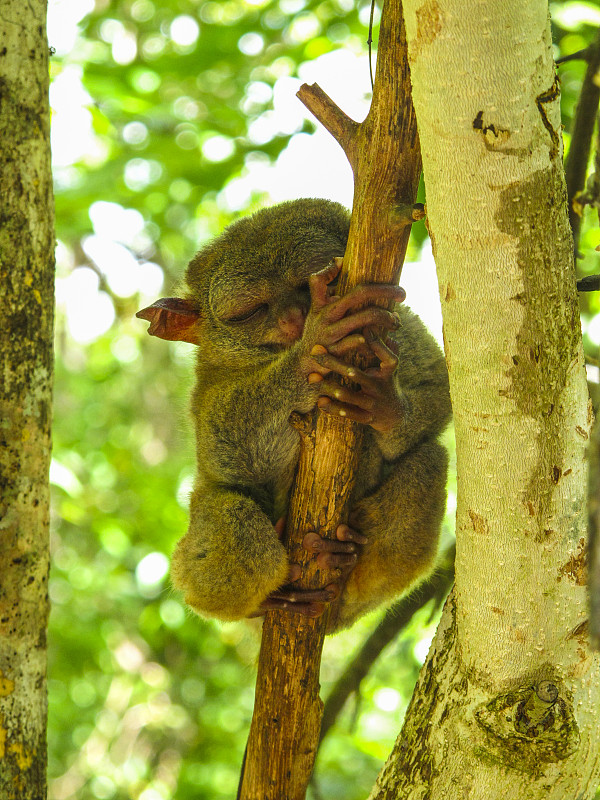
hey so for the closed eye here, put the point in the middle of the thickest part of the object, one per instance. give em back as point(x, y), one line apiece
point(249, 314)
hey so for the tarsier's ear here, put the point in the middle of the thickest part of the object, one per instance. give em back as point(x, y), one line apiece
point(172, 318)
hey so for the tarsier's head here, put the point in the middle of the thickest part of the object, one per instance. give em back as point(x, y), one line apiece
point(248, 288)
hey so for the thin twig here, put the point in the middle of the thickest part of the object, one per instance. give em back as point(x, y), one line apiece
point(581, 139)
point(370, 42)
point(580, 55)
point(343, 129)
point(396, 619)
point(591, 283)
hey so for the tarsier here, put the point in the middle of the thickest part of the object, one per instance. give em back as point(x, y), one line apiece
point(272, 339)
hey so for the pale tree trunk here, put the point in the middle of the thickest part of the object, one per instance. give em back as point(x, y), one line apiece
point(26, 315)
point(508, 703)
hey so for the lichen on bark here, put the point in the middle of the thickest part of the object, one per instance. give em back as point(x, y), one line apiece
point(26, 273)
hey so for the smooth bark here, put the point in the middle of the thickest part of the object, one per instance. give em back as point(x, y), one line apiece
point(576, 166)
point(508, 701)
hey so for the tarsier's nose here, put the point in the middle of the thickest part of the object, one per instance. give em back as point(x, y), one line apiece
point(291, 322)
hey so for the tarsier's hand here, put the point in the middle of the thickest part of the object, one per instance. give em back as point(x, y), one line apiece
point(373, 401)
point(339, 554)
point(336, 324)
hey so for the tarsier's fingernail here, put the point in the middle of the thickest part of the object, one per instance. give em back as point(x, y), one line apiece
point(351, 373)
point(342, 412)
point(318, 350)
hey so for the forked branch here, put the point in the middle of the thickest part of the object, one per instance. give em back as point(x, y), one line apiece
point(384, 154)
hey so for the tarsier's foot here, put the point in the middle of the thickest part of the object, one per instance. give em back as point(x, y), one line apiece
point(310, 602)
point(339, 554)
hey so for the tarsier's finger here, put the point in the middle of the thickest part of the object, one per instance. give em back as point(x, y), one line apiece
point(318, 544)
point(280, 528)
point(310, 602)
point(336, 560)
point(347, 411)
point(319, 282)
point(314, 377)
point(355, 343)
point(290, 595)
point(388, 361)
point(337, 261)
point(339, 553)
point(347, 534)
point(329, 363)
point(345, 396)
point(366, 294)
point(365, 318)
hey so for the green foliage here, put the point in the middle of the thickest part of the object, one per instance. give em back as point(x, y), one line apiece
point(147, 701)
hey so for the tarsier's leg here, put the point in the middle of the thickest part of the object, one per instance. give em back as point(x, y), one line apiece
point(231, 558)
point(339, 554)
point(401, 521)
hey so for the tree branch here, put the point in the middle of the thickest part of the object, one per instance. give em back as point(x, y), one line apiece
point(343, 129)
point(385, 156)
point(580, 55)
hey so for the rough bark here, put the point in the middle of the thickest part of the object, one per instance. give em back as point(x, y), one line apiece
point(26, 273)
point(384, 154)
point(507, 704)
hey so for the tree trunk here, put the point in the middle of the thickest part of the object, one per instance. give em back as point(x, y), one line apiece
point(26, 270)
point(507, 704)
point(384, 154)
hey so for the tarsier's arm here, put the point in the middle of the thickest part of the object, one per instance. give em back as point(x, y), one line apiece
point(242, 422)
point(421, 382)
point(406, 402)
point(405, 399)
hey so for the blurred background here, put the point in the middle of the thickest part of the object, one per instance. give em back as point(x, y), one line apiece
point(169, 120)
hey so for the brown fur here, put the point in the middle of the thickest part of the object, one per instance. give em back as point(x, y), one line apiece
point(248, 383)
